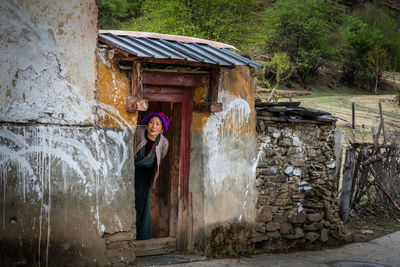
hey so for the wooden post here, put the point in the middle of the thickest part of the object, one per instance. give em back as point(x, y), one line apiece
point(382, 121)
point(136, 102)
point(339, 142)
point(348, 170)
point(353, 117)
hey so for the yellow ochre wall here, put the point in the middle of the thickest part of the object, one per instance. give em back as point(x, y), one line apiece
point(112, 92)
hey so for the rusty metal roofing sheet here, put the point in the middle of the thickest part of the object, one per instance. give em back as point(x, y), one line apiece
point(174, 49)
point(169, 37)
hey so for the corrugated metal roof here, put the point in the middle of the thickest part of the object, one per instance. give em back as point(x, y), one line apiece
point(172, 49)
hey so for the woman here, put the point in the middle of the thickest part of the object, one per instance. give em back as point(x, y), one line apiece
point(150, 147)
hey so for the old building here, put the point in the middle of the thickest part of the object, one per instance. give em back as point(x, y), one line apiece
point(71, 98)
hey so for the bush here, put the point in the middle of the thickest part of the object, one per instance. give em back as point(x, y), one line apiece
point(113, 12)
point(362, 31)
point(307, 31)
point(233, 22)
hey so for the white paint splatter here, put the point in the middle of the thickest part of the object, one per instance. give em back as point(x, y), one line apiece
point(289, 170)
point(332, 165)
point(228, 167)
point(299, 207)
point(297, 172)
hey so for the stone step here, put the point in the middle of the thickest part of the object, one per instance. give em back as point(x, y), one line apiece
point(155, 246)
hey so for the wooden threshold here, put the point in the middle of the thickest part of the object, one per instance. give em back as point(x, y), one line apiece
point(155, 246)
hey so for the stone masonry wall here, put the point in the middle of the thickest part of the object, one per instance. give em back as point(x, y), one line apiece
point(296, 202)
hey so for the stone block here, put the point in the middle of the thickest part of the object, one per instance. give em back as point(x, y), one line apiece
point(282, 201)
point(298, 233)
point(312, 236)
point(324, 235)
point(273, 170)
point(260, 126)
point(273, 226)
point(298, 197)
point(269, 152)
point(274, 235)
point(312, 205)
point(276, 179)
point(259, 182)
point(297, 217)
point(259, 238)
point(286, 142)
point(279, 217)
point(315, 217)
point(298, 161)
point(264, 214)
point(286, 228)
point(313, 226)
point(312, 152)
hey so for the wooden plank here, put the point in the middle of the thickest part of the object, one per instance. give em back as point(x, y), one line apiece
point(136, 101)
point(308, 112)
point(383, 123)
point(214, 85)
point(271, 104)
point(208, 107)
point(353, 116)
point(174, 98)
point(167, 61)
point(164, 90)
point(184, 177)
point(345, 196)
point(155, 246)
point(175, 79)
point(175, 139)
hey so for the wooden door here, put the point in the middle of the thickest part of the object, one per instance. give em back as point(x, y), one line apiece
point(170, 197)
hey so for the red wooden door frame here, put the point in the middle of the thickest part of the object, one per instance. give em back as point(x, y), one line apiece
point(178, 95)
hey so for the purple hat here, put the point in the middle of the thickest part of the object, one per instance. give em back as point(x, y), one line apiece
point(164, 119)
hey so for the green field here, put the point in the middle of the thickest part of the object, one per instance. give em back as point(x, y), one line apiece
point(338, 100)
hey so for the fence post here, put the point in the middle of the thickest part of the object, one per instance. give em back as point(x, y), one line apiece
point(348, 170)
point(353, 116)
point(339, 141)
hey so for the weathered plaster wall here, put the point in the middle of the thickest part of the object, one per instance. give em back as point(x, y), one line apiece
point(47, 61)
point(66, 182)
point(112, 92)
point(222, 176)
point(62, 189)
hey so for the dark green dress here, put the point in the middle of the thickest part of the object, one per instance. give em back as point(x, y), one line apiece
point(145, 165)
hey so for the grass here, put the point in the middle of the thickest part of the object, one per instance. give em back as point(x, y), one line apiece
point(331, 96)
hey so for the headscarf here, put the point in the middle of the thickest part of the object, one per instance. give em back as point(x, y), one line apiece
point(164, 120)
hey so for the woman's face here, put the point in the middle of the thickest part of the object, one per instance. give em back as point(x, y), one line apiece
point(154, 127)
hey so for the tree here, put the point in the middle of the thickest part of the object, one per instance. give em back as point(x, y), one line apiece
point(359, 37)
point(282, 69)
point(378, 62)
point(233, 22)
point(113, 12)
point(307, 30)
point(362, 30)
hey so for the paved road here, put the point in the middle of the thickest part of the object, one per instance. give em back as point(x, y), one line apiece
point(384, 251)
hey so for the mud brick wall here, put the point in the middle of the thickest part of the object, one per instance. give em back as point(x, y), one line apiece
point(296, 202)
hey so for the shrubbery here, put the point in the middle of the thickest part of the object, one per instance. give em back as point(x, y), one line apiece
point(313, 33)
point(307, 31)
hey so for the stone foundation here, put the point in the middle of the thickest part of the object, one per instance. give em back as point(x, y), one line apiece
point(296, 186)
point(225, 239)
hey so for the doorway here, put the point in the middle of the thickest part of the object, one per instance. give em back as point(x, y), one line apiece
point(169, 198)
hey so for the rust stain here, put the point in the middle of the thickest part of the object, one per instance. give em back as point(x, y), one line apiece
point(113, 89)
point(200, 95)
point(240, 83)
point(199, 120)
